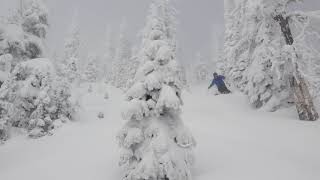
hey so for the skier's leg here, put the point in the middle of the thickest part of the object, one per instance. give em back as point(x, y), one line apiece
point(220, 89)
point(225, 90)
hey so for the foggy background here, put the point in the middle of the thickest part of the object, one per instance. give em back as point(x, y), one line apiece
point(200, 28)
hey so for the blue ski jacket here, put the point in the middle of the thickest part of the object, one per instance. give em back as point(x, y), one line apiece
point(218, 81)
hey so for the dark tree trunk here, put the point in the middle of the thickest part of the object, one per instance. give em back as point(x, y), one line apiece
point(302, 97)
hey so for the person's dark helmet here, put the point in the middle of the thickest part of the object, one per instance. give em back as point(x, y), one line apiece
point(215, 74)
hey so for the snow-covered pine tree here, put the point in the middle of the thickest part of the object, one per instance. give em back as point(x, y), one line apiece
point(201, 70)
point(155, 143)
point(258, 57)
point(132, 68)
point(291, 57)
point(263, 85)
point(217, 52)
point(108, 56)
point(122, 58)
point(240, 32)
point(22, 36)
point(91, 72)
point(5, 67)
point(21, 39)
point(72, 52)
point(307, 38)
point(34, 99)
point(35, 18)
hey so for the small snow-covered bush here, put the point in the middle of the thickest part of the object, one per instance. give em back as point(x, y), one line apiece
point(101, 115)
point(106, 95)
point(36, 99)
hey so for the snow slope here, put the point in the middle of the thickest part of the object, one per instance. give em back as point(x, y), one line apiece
point(234, 142)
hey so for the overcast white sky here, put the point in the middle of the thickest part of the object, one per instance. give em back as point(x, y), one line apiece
point(199, 19)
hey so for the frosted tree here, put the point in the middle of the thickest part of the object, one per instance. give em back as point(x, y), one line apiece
point(260, 56)
point(305, 29)
point(108, 56)
point(131, 70)
point(240, 32)
point(5, 67)
point(217, 52)
point(122, 57)
point(201, 70)
point(91, 73)
point(291, 57)
point(34, 99)
point(35, 18)
point(155, 143)
point(71, 51)
point(23, 36)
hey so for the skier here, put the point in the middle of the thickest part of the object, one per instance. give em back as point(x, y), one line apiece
point(219, 81)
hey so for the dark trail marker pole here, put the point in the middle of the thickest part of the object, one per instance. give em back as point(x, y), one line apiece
point(302, 97)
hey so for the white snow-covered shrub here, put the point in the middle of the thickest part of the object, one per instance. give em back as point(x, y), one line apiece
point(36, 97)
point(106, 95)
point(154, 142)
point(101, 115)
point(91, 73)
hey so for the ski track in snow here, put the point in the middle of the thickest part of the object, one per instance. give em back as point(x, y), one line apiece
point(235, 142)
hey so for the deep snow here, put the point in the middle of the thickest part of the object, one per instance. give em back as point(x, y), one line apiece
point(235, 142)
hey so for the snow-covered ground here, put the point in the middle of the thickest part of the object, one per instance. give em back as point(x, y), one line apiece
point(234, 142)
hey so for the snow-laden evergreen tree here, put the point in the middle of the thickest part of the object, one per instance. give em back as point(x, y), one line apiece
point(307, 33)
point(259, 53)
point(201, 69)
point(240, 32)
point(155, 143)
point(131, 70)
point(5, 67)
point(35, 18)
point(108, 56)
point(72, 52)
point(292, 56)
point(34, 99)
point(252, 47)
point(21, 39)
point(122, 58)
point(22, 34)
point(91, 72)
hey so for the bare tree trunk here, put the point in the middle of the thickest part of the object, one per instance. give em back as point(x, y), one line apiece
point(302, 97)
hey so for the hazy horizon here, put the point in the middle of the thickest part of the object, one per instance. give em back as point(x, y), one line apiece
point(200, 28)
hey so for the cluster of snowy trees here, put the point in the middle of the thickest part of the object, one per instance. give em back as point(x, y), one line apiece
point(201, 70)
point(69, 67)
point(32, 96)
point(155, 143)
point(264, 54)
point(125, 63)
point(117, 64)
